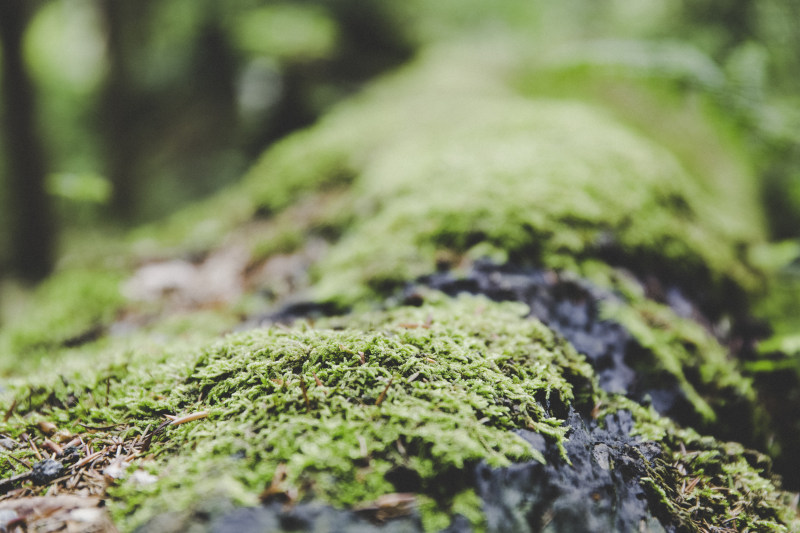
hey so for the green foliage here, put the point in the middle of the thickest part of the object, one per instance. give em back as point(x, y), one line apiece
point(79, 188)
point(64, 48)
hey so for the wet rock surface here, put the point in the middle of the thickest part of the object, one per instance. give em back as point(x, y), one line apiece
point(46, 471)
point(599, 491)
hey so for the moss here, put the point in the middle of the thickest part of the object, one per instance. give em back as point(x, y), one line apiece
point(446, 160)
point(386, 146)
point(651, 86)
point(69, 308)
point(469, 369)
point(700, 483)
point(436, 180)
point(687, 352)
point(484, 369)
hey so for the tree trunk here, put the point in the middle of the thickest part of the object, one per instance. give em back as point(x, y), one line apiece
point(32, 231)
point(121, 106)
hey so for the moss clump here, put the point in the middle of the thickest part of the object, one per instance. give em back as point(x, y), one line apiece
point(425, 392)
point(686, 351)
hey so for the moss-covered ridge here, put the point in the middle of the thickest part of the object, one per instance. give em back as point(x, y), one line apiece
point(430, 391)
point(403, 400)
point(449, 159)
point(459, 155)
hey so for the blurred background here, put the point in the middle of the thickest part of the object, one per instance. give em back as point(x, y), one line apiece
point(118, 112)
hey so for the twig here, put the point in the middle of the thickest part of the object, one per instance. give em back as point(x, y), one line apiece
point(87, 459)
point(188, 418)
point(362, 447)
point(35, 449)
point(73, 442)
point(8, 483)
point(10, 410)
point(20, 461)
point(383, 394)
point(53, 447)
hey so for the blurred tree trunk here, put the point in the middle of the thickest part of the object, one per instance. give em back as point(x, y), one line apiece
point(120, 105)
point(32, 230)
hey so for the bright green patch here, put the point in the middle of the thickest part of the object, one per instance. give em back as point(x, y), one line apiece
point(671, 94)
point(287, 31)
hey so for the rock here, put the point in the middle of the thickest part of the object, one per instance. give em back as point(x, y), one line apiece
point(46, 471)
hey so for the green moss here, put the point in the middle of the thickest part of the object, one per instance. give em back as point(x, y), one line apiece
point(195, 229)
point(465, 503)
point(671, 94)
point(341, 443)
point(700, 483)
point(688, 353)
point(470, 369)
point(450, 157)
point(430, 180)
point(67, 307)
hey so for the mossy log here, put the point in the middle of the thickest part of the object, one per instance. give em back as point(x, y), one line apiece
point(299, 353)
